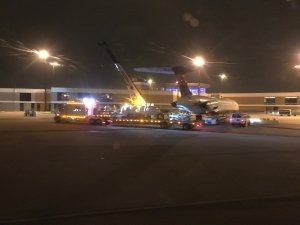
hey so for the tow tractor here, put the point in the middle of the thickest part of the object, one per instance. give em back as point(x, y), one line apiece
point(85, 111)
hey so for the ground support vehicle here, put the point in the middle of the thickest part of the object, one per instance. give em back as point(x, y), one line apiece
point(30, 113)
point(79, 112)
point(215, 119)
point(92, 119)
point(239, 119)
point(164, 122)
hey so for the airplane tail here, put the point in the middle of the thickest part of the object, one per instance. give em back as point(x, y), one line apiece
point(182, 83)
point(178, 71)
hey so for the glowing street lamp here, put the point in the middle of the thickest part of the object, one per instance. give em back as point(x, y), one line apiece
point(297, 67)
point(150, 81)
point(223, 76)
point(43, 54)
point(199, 61)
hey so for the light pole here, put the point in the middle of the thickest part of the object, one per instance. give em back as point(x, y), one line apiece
point(222, 77)
point(199, 62)
point(43, 55)
point(53, 64)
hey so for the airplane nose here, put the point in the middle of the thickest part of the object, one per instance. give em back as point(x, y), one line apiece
point(174, 104)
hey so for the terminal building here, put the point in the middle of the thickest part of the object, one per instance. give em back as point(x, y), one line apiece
point(20, 99)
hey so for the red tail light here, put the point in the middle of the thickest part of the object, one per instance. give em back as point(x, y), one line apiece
point(198, 125)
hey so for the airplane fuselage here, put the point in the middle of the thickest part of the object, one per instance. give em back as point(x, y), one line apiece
point(203, 104)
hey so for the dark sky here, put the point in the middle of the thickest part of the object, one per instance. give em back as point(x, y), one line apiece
point(261, 38)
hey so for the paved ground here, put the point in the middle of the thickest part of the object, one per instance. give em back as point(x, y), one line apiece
point(81, 174)
point(289, 120)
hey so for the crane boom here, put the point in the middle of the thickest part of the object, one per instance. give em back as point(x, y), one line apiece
point(134, 93)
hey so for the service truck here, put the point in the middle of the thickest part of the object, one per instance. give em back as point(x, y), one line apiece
point(85, 111)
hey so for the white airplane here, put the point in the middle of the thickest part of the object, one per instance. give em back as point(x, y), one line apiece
point(192, 103)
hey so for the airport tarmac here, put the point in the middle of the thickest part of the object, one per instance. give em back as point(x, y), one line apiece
point(81, 174)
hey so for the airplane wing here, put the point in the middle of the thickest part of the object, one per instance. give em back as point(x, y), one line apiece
point(160, 70)
point(178, 71)
point(174, 70)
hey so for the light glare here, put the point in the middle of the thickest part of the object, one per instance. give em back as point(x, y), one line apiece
point(297, 66)
point(54, 64)
point(89, 102)
point(43, 54)
point(199, 61)
point(223, 76)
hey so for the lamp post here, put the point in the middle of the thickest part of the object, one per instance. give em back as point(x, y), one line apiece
point(222, 77)
point(54, 64)
point(199, 62)
point(43, 55)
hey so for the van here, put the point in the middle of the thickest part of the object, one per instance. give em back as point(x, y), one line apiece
point(239, 119)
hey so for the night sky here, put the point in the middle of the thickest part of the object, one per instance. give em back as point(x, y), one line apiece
point(258, 41)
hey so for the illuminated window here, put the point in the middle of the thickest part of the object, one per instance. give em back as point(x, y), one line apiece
point(269, 100)
point(291, 100)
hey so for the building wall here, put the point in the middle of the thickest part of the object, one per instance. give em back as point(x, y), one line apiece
point(248, 100)
point(10, 98)
point(9, 106)
point(255, 101)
